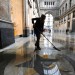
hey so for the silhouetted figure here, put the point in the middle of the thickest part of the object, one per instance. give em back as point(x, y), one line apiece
point(38, 29)
point(67, 30)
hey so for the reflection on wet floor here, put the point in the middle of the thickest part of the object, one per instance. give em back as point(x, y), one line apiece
point(47, 61)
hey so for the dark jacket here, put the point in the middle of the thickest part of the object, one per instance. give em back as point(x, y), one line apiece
point(38, 25)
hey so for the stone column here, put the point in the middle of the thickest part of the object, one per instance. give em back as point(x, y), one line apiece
point(25, 30)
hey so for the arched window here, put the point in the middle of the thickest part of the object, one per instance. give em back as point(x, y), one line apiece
point(74, 14)
point(70, 3)
point(66, 7)
point(60, 11)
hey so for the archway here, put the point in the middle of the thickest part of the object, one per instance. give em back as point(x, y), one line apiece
point(48, 22)
point(48, 26)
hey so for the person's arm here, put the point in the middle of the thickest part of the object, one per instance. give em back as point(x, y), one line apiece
point(33, 19)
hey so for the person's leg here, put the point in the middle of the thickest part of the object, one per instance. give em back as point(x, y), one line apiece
point(38, 41)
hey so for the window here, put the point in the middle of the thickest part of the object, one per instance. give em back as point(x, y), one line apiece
point(44, 3)
point(63, 9)
point(60, 12)
point(65, 19)
point(69, 15)
point(66, 7)
point(47, 3)
point(53, 3)
point(70, 2)
point(73, 14)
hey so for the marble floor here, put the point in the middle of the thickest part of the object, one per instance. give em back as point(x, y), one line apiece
point(56, 57)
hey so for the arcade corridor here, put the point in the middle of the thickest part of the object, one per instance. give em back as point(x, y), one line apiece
point(17, 40)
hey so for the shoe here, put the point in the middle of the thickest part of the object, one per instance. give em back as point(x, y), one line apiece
point(35, 49)
point(38, 48)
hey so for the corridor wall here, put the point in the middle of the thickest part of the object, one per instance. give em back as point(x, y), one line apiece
point(6, 26)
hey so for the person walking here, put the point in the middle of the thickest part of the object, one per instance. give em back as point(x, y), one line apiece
point(38, 29)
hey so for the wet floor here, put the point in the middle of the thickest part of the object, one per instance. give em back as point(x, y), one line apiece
point(56, 57)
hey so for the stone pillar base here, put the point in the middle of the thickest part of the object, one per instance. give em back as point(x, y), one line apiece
point(26, 32)
point(6, 34)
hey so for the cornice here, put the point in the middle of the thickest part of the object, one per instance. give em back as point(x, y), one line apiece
point(53, 8)
point(5, 21)
point(68, 11)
